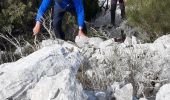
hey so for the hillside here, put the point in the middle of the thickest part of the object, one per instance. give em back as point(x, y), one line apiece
point(128, 61)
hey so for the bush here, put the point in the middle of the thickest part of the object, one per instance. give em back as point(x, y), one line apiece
point(152, 16)
point(17, 14)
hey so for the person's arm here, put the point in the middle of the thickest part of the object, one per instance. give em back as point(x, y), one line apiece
point(42, 9)
point(78, 4)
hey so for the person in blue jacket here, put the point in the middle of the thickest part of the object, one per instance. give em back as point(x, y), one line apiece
point(61, 6)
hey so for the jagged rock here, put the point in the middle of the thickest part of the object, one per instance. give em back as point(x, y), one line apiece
point(87, 52)
point(113, 61)
point(81, 41)
point(100, 96)
point(62, 86)
point(95, 41)
point(119, 91)
point(135, 41)
point(128, 41)
point(70, 46)
point(115, 86)
point(124, 93)
point(164, 41)
point(17, 77)
point(164, 93)
point(106, 43)
point(103, 62)
point(91, 95)
point(50, 42)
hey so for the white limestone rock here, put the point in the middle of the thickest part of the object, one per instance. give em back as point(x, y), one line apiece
point(164, 93)
point(124, 93)
point(95, 41)
point(50, 42)
point(100, 95)
point(106, 43)
point(108, 62)
point(143, 99)
point(128, 41)
point(62, 86)
point(164, 40)
point(17, 77)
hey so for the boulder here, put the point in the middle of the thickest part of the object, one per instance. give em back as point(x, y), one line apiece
point(163, 93)
point(18, 77)
point(62, 86)
point(124, 93)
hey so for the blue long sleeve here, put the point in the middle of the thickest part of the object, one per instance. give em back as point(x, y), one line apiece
point(42, 9)
point(78, 4)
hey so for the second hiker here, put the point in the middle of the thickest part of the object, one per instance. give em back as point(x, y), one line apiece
point(113, 10)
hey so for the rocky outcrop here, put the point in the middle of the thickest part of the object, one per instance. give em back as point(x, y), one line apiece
point(34, 77)
point(62, 71)
point(143, 65)
point(62, 86)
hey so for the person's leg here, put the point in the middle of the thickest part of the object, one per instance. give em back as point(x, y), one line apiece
point(57, 23)
point(113, 11)
point(122, 8)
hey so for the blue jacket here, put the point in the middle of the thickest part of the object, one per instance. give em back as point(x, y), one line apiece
point(77, 4)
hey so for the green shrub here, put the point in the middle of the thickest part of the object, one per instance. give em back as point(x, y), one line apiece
point(17, 14)
point(152, 16)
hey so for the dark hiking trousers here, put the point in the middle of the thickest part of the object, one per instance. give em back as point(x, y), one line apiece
point(115, 1)
point(113, 9)
point(57, 22)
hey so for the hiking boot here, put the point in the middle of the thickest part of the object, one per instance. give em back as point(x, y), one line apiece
point(122, 8)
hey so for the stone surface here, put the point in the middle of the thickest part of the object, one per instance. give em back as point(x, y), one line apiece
point(164, 93)
point(101, 63)
point(124, 93)
point(18, 77)
point(114, 61)
point(143, 99)
point(95, 41)
point(63, 86)
point(100, 96)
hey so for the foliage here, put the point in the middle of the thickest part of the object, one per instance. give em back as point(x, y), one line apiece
point(150, 15)
point(16, 14)
point(91, 8)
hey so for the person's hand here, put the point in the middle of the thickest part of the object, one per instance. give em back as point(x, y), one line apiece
point(37, 28)
point(81, 33)
point(81, 39)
